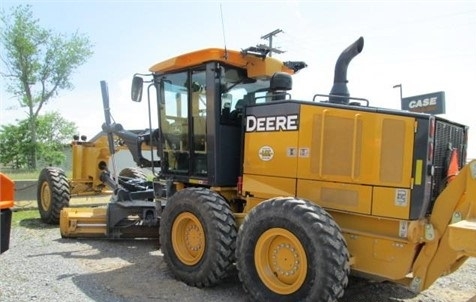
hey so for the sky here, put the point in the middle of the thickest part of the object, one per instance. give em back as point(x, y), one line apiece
point(426, 46)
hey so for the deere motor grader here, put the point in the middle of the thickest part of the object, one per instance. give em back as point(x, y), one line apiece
point(296, 193)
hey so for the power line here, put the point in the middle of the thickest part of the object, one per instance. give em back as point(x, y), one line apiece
point(269, 37)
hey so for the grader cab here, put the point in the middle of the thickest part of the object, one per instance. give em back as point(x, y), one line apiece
point(297, 193)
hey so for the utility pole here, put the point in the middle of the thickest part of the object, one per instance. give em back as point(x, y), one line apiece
point(401, 95)
point(269, 37)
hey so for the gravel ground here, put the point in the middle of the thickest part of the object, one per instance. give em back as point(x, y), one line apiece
point(41, 266)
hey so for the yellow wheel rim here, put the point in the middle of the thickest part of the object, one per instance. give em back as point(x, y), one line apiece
point(188, 238)
point(45, 196)
point(280, 261)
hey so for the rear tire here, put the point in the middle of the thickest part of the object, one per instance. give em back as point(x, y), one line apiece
point(53, 194)
point(133, 173)
point(198, 236)
point(291, 250)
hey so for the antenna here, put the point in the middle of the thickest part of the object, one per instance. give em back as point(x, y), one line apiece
point(269, 37)
point(223, 30)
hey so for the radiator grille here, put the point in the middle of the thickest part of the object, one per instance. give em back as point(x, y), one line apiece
point(447, 136)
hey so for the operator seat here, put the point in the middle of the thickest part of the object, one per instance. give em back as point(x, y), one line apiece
point(238, 111)
point(280, 83)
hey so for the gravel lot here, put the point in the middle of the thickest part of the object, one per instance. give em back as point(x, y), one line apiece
point(41, 266)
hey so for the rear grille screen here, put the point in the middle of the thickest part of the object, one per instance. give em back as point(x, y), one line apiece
point(447, 136)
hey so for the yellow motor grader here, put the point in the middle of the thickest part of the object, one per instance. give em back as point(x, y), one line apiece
point(91, 175)
point(296, 193)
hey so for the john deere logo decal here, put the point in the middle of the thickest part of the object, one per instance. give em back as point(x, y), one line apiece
point(266, 153)
point(272, 123)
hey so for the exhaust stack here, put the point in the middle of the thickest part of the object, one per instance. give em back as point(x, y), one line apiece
point(340, 74)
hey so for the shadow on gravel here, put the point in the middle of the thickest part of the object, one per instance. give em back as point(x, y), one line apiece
point(36, 224)
point(363, 290)
point(134, 270)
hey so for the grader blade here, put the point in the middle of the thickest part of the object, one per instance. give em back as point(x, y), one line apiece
point(117, 220)
point(83, 222)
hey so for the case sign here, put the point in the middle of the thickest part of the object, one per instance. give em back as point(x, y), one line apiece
point(432, 103)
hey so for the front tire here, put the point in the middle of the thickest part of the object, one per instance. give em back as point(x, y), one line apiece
point(291, 250)
point(53, 194)
point(197, 236)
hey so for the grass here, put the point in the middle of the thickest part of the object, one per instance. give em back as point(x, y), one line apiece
point(18, 216)
point(29, 219)
point(28, 175)
point(22, 175)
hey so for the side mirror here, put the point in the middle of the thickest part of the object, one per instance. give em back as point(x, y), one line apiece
point(136, 89)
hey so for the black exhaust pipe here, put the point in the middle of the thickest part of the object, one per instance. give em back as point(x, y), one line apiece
point(340, 74)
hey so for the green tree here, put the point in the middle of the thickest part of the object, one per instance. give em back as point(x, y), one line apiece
point(53, 133)
point(38, 63)
point(15, 145)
